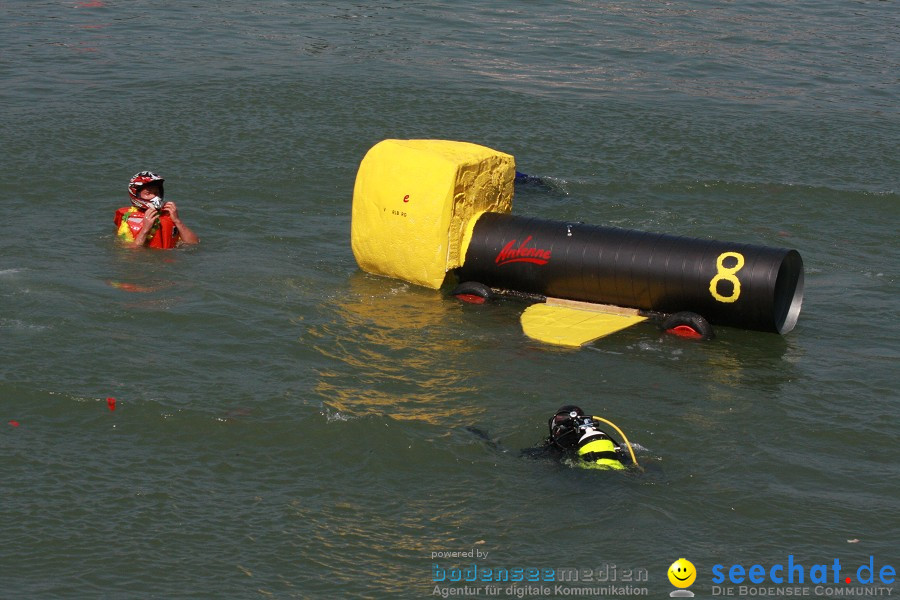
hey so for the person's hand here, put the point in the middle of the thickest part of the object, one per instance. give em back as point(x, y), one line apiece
point(170, 208)
point(150, 216)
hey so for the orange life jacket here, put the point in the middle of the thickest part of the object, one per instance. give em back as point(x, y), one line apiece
point(129, 222)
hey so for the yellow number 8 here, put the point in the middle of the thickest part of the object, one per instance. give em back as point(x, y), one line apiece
point(729, 274)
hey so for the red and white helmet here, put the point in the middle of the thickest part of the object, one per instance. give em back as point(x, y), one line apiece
point(139, 181)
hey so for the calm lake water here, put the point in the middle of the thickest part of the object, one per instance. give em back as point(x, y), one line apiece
point(287, 426)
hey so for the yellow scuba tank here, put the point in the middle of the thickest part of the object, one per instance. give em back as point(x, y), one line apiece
point(596, 450)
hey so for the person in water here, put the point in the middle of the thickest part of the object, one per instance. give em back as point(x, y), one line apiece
point(150, 221)
point(578, 438)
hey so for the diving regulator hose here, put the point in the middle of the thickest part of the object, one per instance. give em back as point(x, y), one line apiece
point(624, 438)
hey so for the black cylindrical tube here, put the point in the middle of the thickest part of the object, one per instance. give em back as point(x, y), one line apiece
point(741, 285)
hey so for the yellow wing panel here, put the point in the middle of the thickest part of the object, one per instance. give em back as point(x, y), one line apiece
point(572, 327)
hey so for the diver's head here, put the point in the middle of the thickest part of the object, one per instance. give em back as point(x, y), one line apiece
point(146, 189)
point(564, 426)
point(569, 409)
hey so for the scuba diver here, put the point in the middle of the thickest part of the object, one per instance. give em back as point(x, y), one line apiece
point(578, 438)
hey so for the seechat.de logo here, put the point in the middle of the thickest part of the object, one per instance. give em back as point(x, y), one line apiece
point(682, 575)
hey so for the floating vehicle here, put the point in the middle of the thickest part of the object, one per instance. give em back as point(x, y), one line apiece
point(427, 210)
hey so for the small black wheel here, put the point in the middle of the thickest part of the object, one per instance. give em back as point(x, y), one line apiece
point(473, 292)
point(688, 325)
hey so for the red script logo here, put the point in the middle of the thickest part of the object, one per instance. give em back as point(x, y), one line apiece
point(509, 254)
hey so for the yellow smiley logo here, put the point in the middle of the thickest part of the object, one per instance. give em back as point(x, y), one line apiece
point(682, 573)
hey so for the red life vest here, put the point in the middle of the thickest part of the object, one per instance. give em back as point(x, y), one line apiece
point(164, 234)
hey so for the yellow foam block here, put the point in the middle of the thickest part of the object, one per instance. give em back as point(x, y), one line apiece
point(414, 201)
point(573, 327)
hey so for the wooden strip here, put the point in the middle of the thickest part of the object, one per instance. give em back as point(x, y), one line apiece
point(609, 309)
